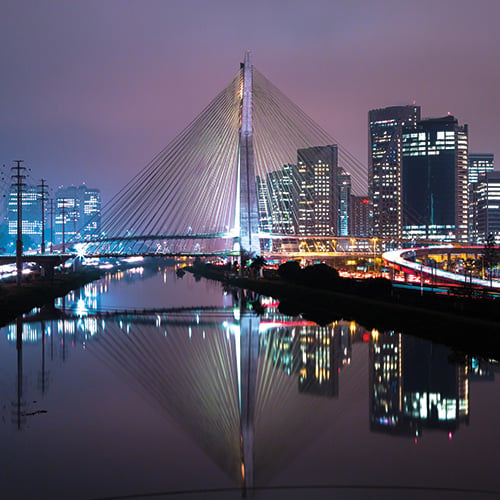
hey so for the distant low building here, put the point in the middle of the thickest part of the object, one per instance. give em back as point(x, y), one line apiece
point(360, 216)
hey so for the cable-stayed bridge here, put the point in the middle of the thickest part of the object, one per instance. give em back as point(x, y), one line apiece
point(225, 183)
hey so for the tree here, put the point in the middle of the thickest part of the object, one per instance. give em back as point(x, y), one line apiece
point(257, 264)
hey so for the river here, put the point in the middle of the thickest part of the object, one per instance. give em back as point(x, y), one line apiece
point(146, 383)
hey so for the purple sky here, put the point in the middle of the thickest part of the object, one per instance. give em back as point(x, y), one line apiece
point(91, 90)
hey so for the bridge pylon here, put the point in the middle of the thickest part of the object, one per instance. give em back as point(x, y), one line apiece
point(248, 205)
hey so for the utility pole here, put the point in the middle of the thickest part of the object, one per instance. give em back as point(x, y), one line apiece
point(43, 199)
point(51, 214)
point(19, 184)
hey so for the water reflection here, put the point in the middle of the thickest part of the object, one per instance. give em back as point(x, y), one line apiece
point(225, 375)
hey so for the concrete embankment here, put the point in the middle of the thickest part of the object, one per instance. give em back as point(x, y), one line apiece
point(15, 300)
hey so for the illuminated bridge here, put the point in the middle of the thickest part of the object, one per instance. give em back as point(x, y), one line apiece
point(224, 184)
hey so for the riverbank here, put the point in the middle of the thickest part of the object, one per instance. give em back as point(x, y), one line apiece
point(468, 325)
point(15, 300)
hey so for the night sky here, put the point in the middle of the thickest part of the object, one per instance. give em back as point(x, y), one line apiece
point(91, 90)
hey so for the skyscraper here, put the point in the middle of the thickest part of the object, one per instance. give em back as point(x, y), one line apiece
point(344, 198)
point(78, 213)
point(31, 215)
point(318, 197)
point(384, 166)
point(282, 189)
point(479, 163)
point(487, 191)
point(434, 180)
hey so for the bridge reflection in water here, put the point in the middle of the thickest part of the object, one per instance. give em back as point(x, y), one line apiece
point(226, 377)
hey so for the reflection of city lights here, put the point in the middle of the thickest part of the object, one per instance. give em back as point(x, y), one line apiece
point(236, 313)
point(81, 309)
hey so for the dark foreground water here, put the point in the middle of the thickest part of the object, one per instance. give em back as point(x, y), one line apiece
point(203, 400)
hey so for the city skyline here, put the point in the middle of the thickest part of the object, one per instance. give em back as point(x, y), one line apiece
point(92, 88)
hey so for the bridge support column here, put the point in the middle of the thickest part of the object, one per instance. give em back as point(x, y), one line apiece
point(47, 271)
point(249, 215)
point(249, 335)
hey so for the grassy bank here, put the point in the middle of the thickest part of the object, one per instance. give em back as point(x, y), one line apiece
point(468, 325)
point(15, 300)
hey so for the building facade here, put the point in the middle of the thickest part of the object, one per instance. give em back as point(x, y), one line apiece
point(487, 194)
point(479, 163)
point(32, 217)
point(384, 166)
point(360, 216)
point(282, 189)
point(77, 213)
point(344, 197)
point(434, 180)
point(317, 201)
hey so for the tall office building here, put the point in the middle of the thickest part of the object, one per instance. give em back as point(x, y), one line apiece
point(487, 194)
point(77, 214)
point(31, 209)
point(384, 166)
point(434, 180)
point(344, 197)
point(318, 198)
point(91, 212)
point(282, 191)
point(479, 163)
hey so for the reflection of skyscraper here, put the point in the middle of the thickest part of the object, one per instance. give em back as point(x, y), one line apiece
point(320, 361)
point(385, 382)
point(318, 197)
point(315, 353)
point(482, 370)
point(413, 385)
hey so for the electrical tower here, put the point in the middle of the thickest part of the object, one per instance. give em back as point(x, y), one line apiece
point(19, 177)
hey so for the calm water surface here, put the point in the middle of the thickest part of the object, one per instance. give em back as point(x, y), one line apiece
point(114, 405)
